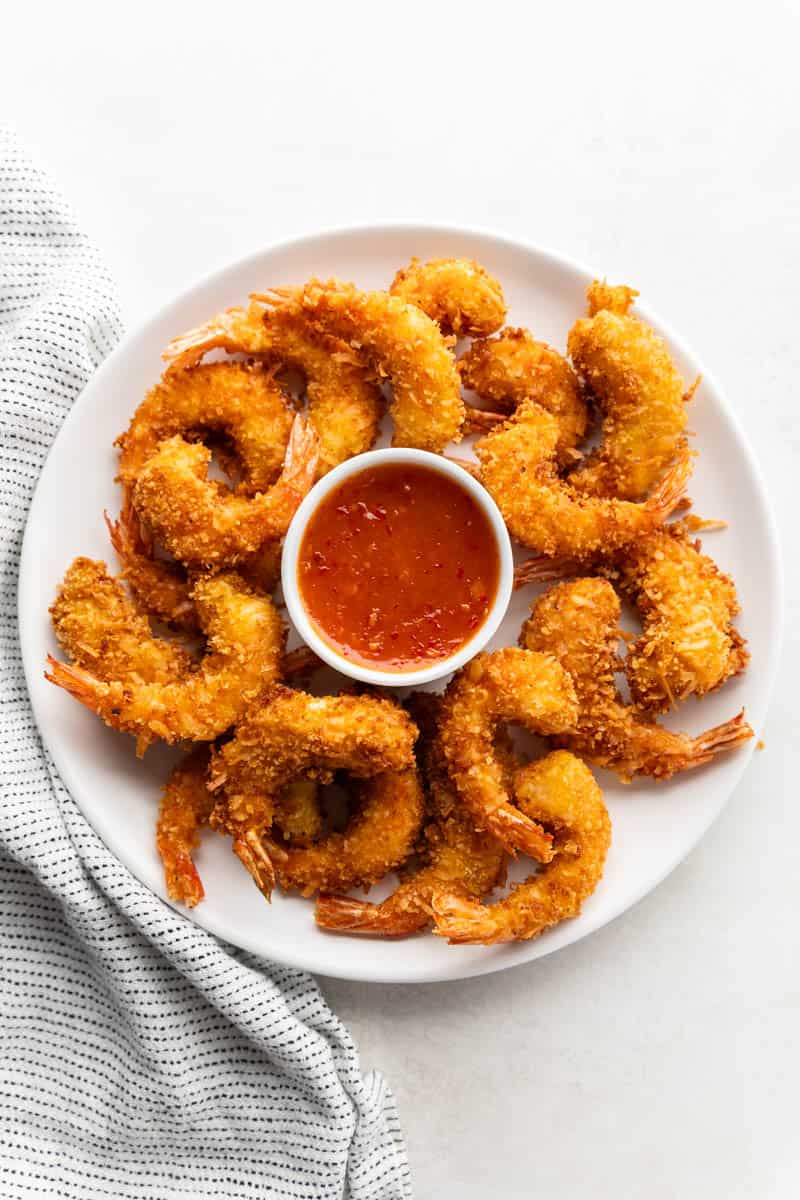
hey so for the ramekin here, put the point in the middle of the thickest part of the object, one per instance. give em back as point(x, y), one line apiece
point(294, 538)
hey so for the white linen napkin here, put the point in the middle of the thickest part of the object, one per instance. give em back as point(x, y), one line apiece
point(139, 1056)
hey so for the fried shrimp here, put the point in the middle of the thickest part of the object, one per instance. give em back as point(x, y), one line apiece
point(454, 855)
point(241, 400)
point(513, 367)
point(292, 735)
point(377, 839)
point(457, 293)
point(162, 587)
point(628, 370)
point(104, 634)
point(186, 805)
point(560, 793)
point(492, 690)
point(245, 641)
point(689, 644)
point(200, 521)
point(401, 343)
point(518, 466)
point(344, 404)
point(578, 623)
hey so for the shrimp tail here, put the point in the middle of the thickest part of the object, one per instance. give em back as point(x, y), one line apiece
point(300, 463)
point(480, 420)
point(359, 916)
point(188, 348)
point(183, 881)
point(672, 488)
point(518, 832)
point(251, 850)
point(542, 569)
point(81, 684)
point(472, 468)
point(726, 736)
point(460, 920)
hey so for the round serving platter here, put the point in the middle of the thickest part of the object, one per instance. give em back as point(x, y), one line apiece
point(655, 825)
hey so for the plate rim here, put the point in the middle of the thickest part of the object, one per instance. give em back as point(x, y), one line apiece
point(771, 556)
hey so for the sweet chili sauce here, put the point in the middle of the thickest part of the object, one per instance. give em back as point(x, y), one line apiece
point(398, 567)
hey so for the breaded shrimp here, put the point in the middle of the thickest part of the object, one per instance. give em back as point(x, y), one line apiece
point(162, 587)
point(689, 645)
point(291, 735)
point(103, 632)
point(298, 814)
point(560, 793)
point(344, 404)
point(518, 467)
point(200, 521)
point(186, 805)
point(241, 400)
point(454, 854)
point(245, 643)
point(578, 623)
point(628, 370)
point(492, 690)
point(401, 343)
point(377, 839)
point(457, 293)
point(512, 367)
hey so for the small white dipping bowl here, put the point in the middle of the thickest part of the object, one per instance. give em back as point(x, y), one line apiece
point(294, 538)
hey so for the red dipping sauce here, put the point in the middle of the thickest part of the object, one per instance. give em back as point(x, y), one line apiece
point(398, 567)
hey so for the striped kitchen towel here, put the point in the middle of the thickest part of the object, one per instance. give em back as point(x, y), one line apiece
point(140, 1057)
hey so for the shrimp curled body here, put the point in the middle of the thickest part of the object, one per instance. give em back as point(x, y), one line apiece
point(512, 367)
point(492, 690)
point(402, 344)
point(561, 794)
point(578, 623)
point(245, 643)
point(292, 735)
point(518, 466)
point(457, 293)
point(344, 404)
point(454, 854)
point(629, 371)
point(200, 521)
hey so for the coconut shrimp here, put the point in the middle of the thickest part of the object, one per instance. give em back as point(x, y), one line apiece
point(344, 404)
point(628, 370)
point(512, 367)
point(560, 793)
point(293, 735)
point(454, 855)
point(185, 807)
point(689, 644)
point(200, 521)
point(377, 839)
point(245, 642)
point(518, 466)
point(401, 343)
point(457, 293)
point(162, 587)
point(241, 400)
point(492, 690)
point(578, 623)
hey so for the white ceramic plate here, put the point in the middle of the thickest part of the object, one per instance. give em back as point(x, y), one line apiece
point(655, 826)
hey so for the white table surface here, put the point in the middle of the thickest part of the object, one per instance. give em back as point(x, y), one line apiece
point(658, 143)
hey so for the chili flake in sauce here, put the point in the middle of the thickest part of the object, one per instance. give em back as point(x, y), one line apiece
point(398, 567)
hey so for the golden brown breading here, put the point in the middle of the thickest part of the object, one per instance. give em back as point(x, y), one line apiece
point(629, 371)
point(518, 465)
point(513, 367)
point(344, 403)
point(578, 623)
point(200, 521)
point(561, 794)
point(454, 854)
point(402, 344)
point(245, 643)
point(508, 685)
point(457, 293)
